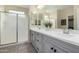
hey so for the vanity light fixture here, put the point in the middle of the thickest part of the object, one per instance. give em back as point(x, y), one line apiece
point(17, 12)
point(34, 12)
point(40, 6)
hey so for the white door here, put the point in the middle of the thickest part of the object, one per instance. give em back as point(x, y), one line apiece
point(8, 28)
point(22, 28)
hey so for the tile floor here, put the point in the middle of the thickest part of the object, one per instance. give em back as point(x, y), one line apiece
point(19, 48)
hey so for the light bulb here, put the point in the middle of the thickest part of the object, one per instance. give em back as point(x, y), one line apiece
point(40, 6)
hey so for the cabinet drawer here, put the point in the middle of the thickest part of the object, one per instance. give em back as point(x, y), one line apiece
point(38, 35)
point(39, 48)
point(47, 48)
point(67, 46)
point(50, 48)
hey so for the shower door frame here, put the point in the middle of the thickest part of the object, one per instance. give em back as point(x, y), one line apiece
point(16, 29)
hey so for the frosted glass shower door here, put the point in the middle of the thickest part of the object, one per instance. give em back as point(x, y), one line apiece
point(8, 28)
point(22, 28)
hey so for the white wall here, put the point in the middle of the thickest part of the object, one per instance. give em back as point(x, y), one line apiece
point(76, 16)
point(2, 8)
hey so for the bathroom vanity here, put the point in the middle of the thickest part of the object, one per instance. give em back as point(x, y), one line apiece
point(54, 41)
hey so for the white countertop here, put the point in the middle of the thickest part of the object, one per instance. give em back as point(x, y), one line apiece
point(58, 33)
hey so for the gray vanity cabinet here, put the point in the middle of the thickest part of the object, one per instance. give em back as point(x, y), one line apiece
point(47, 44)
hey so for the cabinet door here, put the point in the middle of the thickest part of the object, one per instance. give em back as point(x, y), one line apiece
point(58, 50)
point(33, 37)
point(50, 48)
point(8, 28)
point(39, 42)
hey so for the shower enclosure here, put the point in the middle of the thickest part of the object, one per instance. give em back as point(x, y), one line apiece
point(13, 28)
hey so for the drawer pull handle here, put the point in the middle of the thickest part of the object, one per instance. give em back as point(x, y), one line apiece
point(38, 49)
point(52, 48)
point(55, 50)
point(38, 40)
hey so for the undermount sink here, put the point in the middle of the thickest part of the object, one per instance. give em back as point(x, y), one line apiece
point(68, 35)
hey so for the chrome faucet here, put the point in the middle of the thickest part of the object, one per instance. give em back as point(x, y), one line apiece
point(66, 31)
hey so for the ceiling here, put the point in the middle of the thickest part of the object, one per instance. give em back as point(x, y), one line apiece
point(24, 6)
point(57, 6)
point(50, 7)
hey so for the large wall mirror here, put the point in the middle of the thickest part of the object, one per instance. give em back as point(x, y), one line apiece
point(56, 16)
